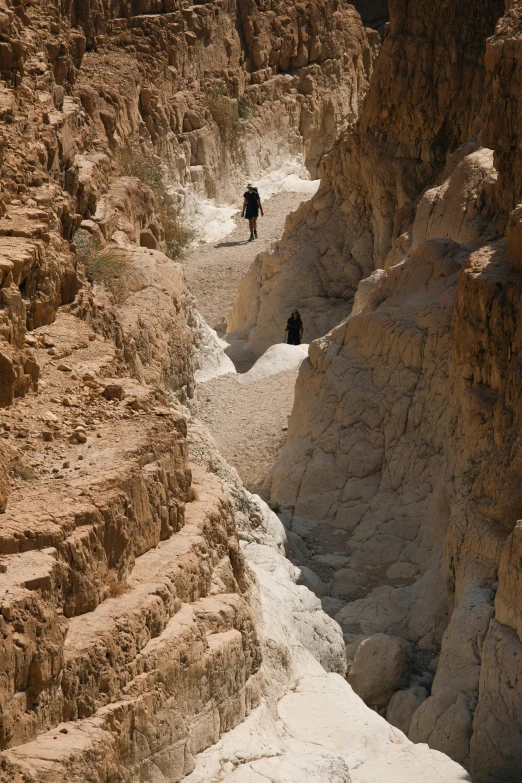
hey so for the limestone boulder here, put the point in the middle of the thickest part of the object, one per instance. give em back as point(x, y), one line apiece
point(461, 207)
point(403, 704)
point(378, 666)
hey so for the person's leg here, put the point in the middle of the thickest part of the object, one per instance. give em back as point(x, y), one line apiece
point(254, 226)
point(251, 226)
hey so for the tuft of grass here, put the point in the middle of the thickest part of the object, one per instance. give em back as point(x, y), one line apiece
point(273, 506)
point(106, 266)
point(226, 114)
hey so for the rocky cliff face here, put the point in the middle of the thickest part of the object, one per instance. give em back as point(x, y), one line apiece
point(402, 453)
point(147, 608)
point(91, 92)
point(426, 94)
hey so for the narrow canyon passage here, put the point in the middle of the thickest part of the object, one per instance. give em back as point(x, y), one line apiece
point(247, 413)
point(225, 559)
point(247, 416)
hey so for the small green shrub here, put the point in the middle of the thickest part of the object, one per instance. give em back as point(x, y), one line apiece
point(133, 162)
point(225, 113)
point(244, 503)
point(178, 235)
point(275, 507)
point(106, 266)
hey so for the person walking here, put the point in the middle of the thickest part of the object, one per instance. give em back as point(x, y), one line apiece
point(294, 328)
point(251, 209)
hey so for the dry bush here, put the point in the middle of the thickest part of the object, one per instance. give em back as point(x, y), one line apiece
point(193, 495)
point(118, 588)
point(225, 113)
point(21, 469)
point(106, 266)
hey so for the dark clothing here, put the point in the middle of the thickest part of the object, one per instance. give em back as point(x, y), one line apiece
point(252, 204)
point(294, 327)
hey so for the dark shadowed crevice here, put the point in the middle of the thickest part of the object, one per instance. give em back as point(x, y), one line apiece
point(374, 13)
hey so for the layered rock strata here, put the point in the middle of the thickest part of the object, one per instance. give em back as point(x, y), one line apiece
point(136, 630)
point(90, 92)
point(147, 605)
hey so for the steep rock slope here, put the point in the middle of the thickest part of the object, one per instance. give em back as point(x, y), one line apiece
point(91, 91)
point(403, 444)
point(425, 95)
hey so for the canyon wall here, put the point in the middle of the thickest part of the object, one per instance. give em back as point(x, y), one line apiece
point(401, 472)
point(188, 99)
point(151, 627)
point(426, 94)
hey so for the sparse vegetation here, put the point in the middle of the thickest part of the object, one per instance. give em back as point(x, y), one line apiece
point(226, 114)
point(20, 469)
point(133, 162)
point(178, 235)
point(106, 266)
point(244, 504)
point(146, 167)
point(118, 588)
point(193, 495)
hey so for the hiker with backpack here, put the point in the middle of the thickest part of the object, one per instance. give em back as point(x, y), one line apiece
point(251, 209)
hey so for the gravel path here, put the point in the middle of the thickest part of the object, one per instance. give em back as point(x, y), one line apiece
point(247, 421)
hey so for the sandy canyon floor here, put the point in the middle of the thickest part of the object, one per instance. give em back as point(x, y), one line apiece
point(247, 417)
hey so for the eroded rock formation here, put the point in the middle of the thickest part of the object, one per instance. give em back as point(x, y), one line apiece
point(426, 94)
point(402, 455)
point(91, 91)
point(150, 621)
